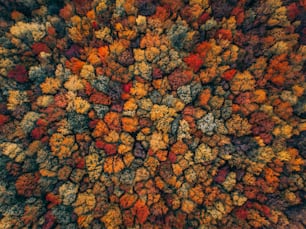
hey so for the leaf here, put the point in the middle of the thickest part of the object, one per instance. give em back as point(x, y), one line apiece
point(141, 211)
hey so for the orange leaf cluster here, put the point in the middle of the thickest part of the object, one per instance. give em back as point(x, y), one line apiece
point(141, 211)
point(75, 65)
point(27, 185)
point(194, 61)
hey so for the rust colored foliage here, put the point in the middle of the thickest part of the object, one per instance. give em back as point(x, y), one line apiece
point(75, 65)
point(262, 125)
point(229, 74)
point(162, 13)
point(127, 200)
point(100, 98)
point(204, 97)
point(53, 199)
point(40, 47)
point(49, 220)
point(27, 185)
point(60, 100)
point(221, 176)
point(4, 119)
point(112, 119)
point(239, 15)
point(141, 211)
point(179, 148)
point(203, 18)
point(38, 132)
point(224, 34)
point(110, 149)
point(82, 6)
point(66, 12)
point(129, 124)
point(283, 109)
point(293, 11)
point(279, 71)
point(194, 61)
point(13, 168)
point(179, 78)
point(241, 213)
point(19, 73)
